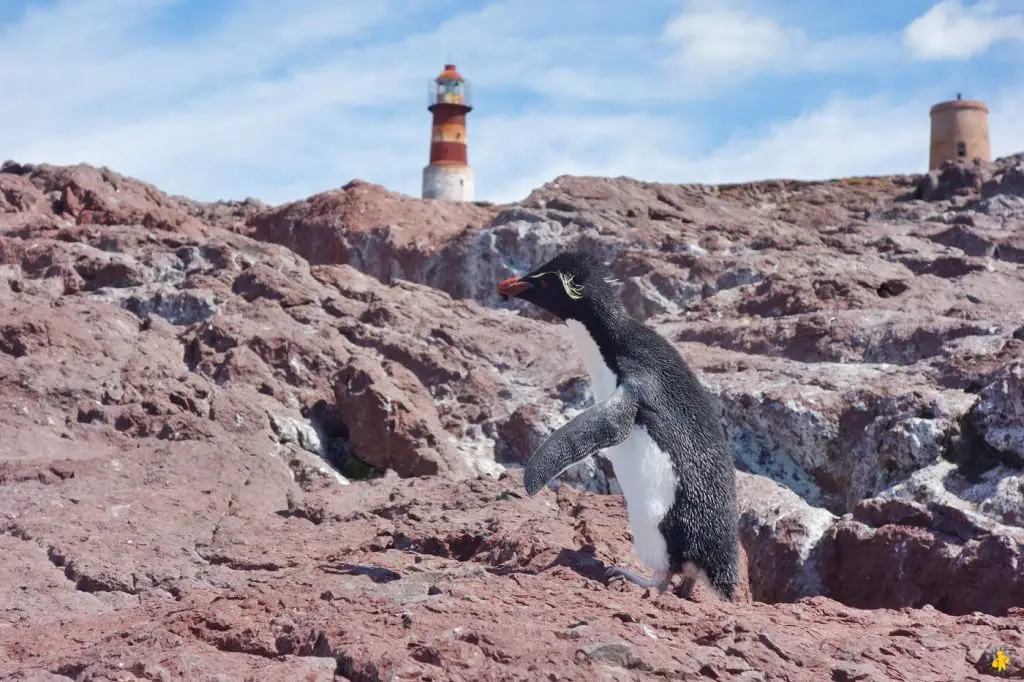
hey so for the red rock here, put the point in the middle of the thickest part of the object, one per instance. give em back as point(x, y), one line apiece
point(92, 196)
point(382, 233)
point(448, 588)
point(934, 555)
point(181, 400)
point(999, 413)
point(392, 421)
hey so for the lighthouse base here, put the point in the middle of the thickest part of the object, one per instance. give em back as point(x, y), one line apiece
point(448, 182)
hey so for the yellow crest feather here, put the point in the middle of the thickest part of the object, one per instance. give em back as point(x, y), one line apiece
point(572, 290)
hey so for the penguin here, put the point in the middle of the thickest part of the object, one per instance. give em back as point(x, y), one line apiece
point(653, 419)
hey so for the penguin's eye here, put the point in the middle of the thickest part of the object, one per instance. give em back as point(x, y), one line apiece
point(543, 283)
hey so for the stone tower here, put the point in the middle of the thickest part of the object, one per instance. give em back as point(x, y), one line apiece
point(959, 130)
point(448, 175)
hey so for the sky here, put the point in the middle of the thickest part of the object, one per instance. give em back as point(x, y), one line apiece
point(280, 100)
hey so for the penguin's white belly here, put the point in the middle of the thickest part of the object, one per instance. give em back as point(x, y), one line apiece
point(644, 471)
point(648, 483)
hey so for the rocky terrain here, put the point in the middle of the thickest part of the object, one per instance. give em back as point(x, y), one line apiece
point(250, 442)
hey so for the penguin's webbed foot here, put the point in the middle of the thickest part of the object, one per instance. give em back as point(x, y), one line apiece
point(619, 572)
point(661, 580)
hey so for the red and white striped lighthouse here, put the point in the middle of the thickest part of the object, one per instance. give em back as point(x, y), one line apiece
point(448, 175)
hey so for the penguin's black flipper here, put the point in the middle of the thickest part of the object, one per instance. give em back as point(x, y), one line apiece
point(601, 426)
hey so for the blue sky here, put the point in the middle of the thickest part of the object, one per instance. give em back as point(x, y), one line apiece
point(280, 100)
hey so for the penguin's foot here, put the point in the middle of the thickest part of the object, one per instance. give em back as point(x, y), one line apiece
point(619, 572)
point(661, 580)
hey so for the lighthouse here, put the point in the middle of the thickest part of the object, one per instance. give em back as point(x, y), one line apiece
point(448, 175)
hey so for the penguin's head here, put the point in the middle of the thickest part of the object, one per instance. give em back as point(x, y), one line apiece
point(568, 286)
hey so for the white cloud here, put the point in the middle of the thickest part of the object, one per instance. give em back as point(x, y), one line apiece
point(1005, 130)
point(723, 42)
point(843, 137)
point(949, 30)
point(728, 42)
point(538, 146)
point(196, 113)
point(280, 102)
point(91, 56)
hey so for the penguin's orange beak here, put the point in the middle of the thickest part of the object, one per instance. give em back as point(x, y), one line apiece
point(513, 286)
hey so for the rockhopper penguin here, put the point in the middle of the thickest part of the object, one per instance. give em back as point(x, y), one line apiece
point(655, 422)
